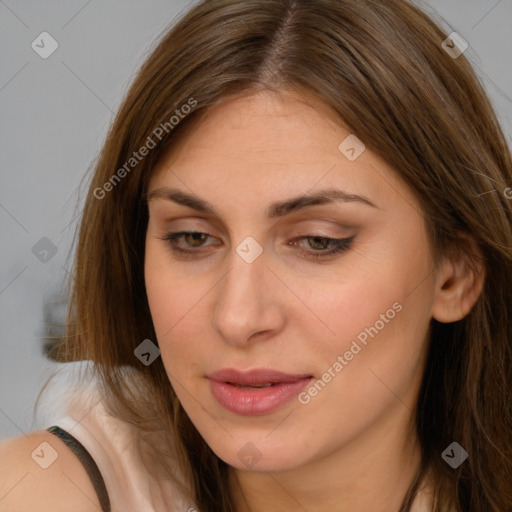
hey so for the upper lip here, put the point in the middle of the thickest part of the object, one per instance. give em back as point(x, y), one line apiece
point(254, 377)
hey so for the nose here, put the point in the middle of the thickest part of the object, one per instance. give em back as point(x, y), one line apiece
point(248, 305)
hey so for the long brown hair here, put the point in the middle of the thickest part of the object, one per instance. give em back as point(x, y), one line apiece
point(382, 68)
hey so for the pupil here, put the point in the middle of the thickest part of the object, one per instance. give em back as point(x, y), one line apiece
point(197, 236)
point(316, 239)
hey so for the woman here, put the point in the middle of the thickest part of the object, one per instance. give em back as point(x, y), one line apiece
point(292, 276)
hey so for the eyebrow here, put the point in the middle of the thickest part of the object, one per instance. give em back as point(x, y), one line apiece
point(274, 210)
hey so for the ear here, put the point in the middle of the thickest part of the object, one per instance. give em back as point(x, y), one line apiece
point(459, 282)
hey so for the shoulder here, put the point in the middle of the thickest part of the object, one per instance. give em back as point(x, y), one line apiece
point(39, 472)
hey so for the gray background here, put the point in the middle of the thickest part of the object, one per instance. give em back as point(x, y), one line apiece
point(54, 114)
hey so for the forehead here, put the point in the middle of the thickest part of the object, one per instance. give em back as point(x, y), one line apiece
point(262, 125)
point(264, 147)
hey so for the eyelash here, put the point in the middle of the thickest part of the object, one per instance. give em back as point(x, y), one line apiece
point(341, 244)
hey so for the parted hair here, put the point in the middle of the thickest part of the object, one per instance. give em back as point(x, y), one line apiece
point(382, 68)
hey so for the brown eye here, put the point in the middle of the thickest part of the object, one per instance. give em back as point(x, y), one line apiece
point(318, 242)
point(321, 244)
point(195, 238)
point(192, 239)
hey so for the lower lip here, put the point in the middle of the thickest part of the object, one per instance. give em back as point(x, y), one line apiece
point(257, 400)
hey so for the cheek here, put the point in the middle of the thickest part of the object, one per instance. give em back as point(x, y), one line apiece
point(168, 292)
point(354, 317)
point(377, 312)
point(352, 299)
point(174, 301)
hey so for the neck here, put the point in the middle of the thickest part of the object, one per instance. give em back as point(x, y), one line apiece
point(371, 472)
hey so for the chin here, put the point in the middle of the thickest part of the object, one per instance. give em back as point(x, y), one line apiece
point(259, 454)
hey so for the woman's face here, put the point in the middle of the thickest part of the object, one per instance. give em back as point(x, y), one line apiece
point(258, 289)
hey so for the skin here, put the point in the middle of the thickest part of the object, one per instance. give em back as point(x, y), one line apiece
point(353, 447)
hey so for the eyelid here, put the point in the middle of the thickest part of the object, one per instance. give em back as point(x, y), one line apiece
point(312, 223)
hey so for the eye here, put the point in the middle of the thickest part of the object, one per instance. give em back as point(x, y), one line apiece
point(324, 246)
point(195, 237)
point(337, 245)
point(192, 238)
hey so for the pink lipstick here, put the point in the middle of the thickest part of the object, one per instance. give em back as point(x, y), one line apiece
point(258, 391)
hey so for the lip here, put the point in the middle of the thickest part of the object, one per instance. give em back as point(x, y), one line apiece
point(223, 384)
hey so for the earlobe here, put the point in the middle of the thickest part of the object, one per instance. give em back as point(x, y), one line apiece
point(459, 282)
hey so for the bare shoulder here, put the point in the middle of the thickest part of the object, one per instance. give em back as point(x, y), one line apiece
point(38, 472)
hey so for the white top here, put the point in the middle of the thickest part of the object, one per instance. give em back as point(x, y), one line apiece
point(78, 409)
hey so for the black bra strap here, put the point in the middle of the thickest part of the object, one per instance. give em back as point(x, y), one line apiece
point(88, 462)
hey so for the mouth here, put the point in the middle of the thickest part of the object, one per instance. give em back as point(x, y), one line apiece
point(258, 391)
point(256, 386)
point(258, 377)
